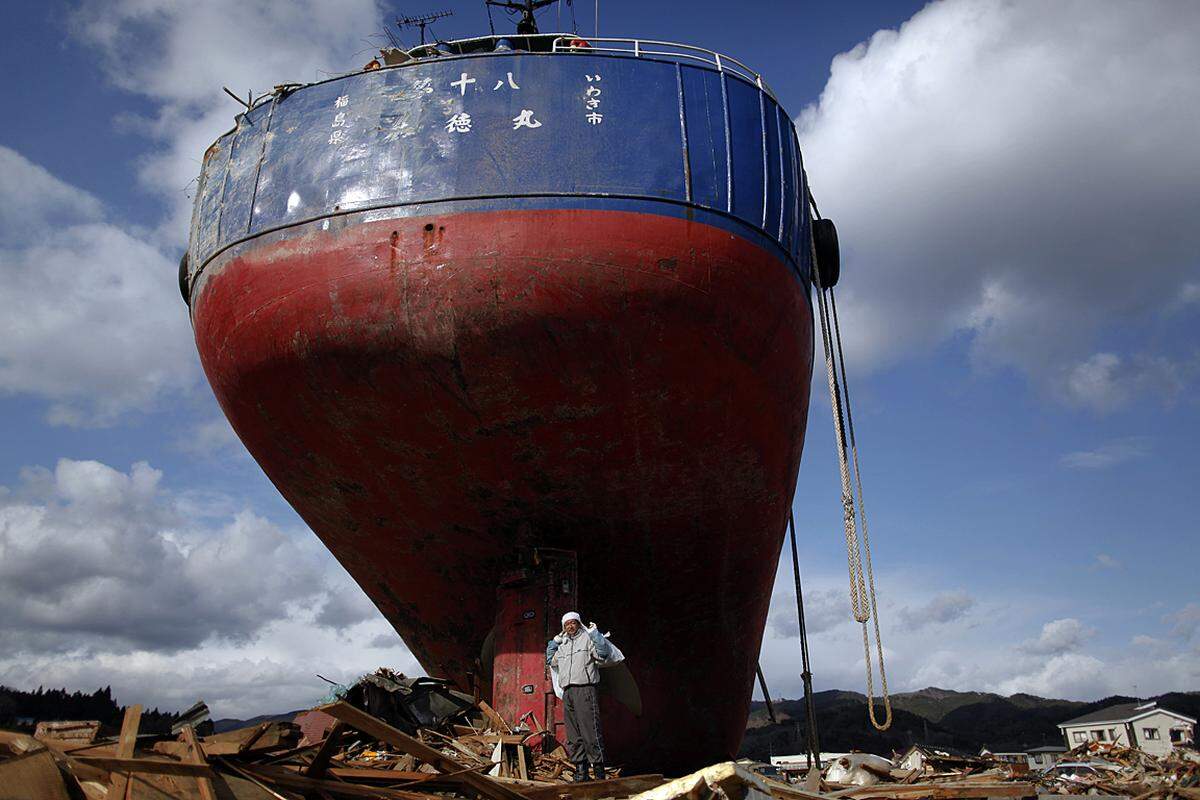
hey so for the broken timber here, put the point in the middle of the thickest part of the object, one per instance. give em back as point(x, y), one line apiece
point(362, 721)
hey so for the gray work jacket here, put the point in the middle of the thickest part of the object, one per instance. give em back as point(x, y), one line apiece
point(576, 658)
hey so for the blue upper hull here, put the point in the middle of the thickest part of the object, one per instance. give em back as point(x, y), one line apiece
point(508, 125)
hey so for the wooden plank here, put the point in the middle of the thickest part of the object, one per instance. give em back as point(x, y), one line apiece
point(950, 790)
point(125, 744)
point(372, 726)
point(277, 734)
point(188, 734)
point(491, 738)
point(33, 775)
point(129, 731)
point(254, 737)
point(593, 790)
point(290, 780)
point(146, 765)
point(491, 716)
point(211, 749)
point(320, 761)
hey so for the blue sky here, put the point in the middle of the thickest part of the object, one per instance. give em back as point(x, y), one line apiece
point(1016, 188)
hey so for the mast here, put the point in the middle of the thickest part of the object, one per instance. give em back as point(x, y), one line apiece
point(527, 25)
point(422, 21)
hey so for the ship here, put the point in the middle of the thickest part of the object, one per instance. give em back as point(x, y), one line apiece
point(522, 324)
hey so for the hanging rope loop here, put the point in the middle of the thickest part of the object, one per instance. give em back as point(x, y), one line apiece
point(863, 603)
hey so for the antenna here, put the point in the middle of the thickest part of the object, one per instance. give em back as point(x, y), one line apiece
point(422, 21)
point(527, 25)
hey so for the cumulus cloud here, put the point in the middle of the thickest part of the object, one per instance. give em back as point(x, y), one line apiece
point(1062, 675)
point(1059, 637)
point(90, 316)
point(93, 555)
point(1189, 295)
point(179, 55)
point(823, 609)
point(346, 608)
point(943, 608)
point(386, 641)
point(106, 576)
point(209, 438)
point(1020, 173)
point(1185, 623)
point(1109, 454)
point(1105, 382)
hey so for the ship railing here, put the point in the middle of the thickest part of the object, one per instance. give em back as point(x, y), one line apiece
point(651, 48)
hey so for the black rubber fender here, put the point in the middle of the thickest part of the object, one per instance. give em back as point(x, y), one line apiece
point(829, 256)
point(184, 288)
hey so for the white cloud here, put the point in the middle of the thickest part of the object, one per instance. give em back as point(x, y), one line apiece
point(1105, 561)
point(1105, 382)
point(823, 609)
point(31, 198)
point(211, 437)
point(1058, 637)
point(1020, 172)
point(180, 55)
point(1109, 454)
point(941, 609)
point(92, 555)
point(90, 316)
point(1185, 622)
point(1189, 295)
point(1062, 675)
point(108, 577)
point(345, 609)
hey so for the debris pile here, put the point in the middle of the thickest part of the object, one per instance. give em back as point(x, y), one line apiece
point(399, 738)
point(1094, 768)
point(1100, 768)
point(387, 736)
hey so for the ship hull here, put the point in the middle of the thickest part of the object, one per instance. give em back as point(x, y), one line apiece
point(433, 392)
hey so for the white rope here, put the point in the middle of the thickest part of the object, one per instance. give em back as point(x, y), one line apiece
point(863, 603)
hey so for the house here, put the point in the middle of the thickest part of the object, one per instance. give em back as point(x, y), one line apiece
point(1044, 757)
point(1003, 758)
point(936, 759)
point(1036, 758)
point(1143, 725)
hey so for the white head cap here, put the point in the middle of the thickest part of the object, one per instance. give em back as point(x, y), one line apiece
point(571, 615)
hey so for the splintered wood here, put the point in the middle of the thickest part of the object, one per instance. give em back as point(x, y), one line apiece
point(473, 754)
point(360, 755)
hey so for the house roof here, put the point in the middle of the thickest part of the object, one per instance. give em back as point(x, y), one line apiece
point(939, 751)
point(1124, 712)
point(1050, 748)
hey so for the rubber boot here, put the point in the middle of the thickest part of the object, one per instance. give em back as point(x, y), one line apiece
point(581, 773)
point(598, 772)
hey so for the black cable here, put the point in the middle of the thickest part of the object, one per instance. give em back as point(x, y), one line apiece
point(813, 747)
point(842, 361)
point(828, 344)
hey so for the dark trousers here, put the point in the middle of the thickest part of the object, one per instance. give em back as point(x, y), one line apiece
point(581, 712)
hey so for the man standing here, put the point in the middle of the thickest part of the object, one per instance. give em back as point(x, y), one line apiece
point(575, 654)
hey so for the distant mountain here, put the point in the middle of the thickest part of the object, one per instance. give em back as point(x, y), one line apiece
point(962, 720)
point(230, 724)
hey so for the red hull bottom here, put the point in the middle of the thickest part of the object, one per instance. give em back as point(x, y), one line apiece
point(436, 394)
